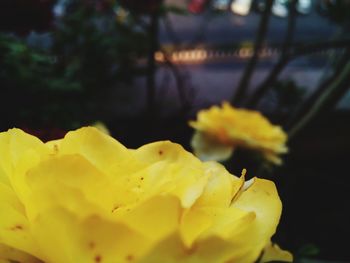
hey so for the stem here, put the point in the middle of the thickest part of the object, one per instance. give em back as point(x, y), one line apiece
point(282, 62)
point(153, 32)
point(185, 104)
point(303, 109)
point(317, 47)
point(245, 80)
point(338, 85)
point(291, 55)
point(170, 30)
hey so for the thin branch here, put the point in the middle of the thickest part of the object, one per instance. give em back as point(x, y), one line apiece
point(282, 62)
point(185, 104)
point(170, 30)
point(151, 67)
point(245, 80)
point(317, 47)
point(331, 91)
point(197, 38)
point(303, 109)
point(294, 53)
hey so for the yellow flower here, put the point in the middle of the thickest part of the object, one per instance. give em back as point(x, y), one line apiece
point(219, 130)
point(87, 198)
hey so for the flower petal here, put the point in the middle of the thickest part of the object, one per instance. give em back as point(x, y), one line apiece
point(92, 239)
point(19, 152)
point(159, 217)
point(14, 226)
point(220, 188)
point(261, 198)
point(101, 150)
point(86, 189)
point(173, 170)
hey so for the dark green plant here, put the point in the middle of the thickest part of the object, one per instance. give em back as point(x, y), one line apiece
point(70, 84)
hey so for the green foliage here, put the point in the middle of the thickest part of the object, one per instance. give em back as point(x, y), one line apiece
point(68, 85)
point(308, 250)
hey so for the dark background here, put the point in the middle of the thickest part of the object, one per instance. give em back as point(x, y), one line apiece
point(59, 71)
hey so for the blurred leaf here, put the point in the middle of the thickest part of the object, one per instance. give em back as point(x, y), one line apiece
point(173, 9)
point(308, 250)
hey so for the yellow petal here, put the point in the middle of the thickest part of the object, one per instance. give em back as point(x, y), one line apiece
point(172, 170)
point(203, 223)
point(165, 151)
point(19, 152)
point(14, 226)
point(261, 198)
point(63, 237)
point(178, 179)
point(193, 223)
point(4, 177)
point(85, 188)
point(159, 214)
point(97, 147)
point(169, 250)
point(13, 144)
point(220, 188)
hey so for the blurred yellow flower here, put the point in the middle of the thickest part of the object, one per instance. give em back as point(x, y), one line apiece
point(87, 198)
point(219, 130)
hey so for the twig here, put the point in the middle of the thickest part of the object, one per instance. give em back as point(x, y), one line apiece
point(292, 54)
point(331, 91)
point(179, 83)
point(317, 47)
point(245, 80)
point(170, 30)
point(303, 109)
point(153, 33)
point(274, 73)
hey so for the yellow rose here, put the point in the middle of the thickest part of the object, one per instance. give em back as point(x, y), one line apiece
point(87, 198)
point(219, 130)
